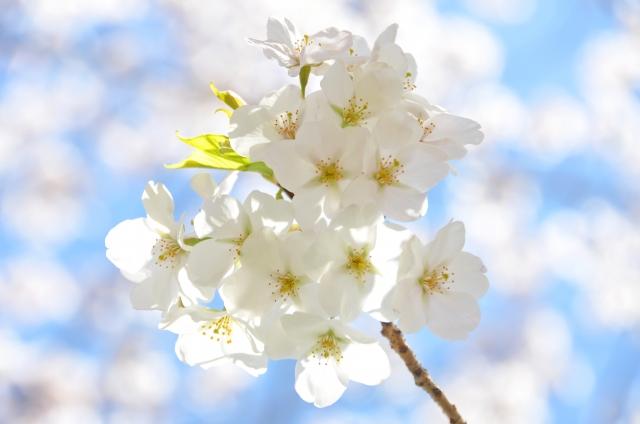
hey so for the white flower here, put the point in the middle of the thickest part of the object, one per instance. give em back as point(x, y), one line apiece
point(277, 117)
point(438, 285)
point(399, 170)
point(448, 132)
point(294, 51)
point(150, 252)
point(275, 275)
point(224, 225)
point(329, 355)
point(208, 338)
point(357, 98)
point(318, 166)
point(353, 260)
point(386, 50)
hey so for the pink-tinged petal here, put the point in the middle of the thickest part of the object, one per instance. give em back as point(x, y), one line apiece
point(452, 315)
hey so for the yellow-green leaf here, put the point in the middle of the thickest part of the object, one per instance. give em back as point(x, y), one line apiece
point(231, 99)
point(215, 151)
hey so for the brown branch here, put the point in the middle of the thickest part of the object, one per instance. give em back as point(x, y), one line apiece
point(420, 375)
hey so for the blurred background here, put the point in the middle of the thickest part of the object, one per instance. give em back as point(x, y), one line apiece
point(92, 92)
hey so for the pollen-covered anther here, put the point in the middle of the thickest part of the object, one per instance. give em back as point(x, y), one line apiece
point(329, 171)
point(285, 285)
point(302, 43)
point(166, 252)
point(427, 127)
point(355, 113)
point(218, 329)
point(388, 172)
point(359, 263)
point(438, 280)
point(286, 124)
point(327, 347)
point(408, 83)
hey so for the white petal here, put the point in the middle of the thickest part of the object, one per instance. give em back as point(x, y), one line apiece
point(365, 363)
point(396, 129)
point(266, 211)
point(424, 166)
point(129, 247)
point(387, 36)
point(208, 263)
point(251, 126)
point(452, 315)
point(203, 184)
point(408, 304)
point(158, 203)
point(362, 191)
point(446, 245)
point(337, 85)
point(319, 383)
point(468, 274)
point(403, 203)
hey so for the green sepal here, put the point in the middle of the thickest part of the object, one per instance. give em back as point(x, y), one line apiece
point(227, 97)
point(305, 71)
point(192, 241)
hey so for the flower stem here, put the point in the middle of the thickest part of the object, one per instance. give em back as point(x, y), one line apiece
point(420, 375)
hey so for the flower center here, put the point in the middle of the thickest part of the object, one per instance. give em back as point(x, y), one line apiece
point(355, 113)
point(329, 172)
point(327, 346)
point(358, 263)
point(389, 169)
point(286, 285)
point(218, 329)
point(286, 124)
point(167, 253)
point(436, 281)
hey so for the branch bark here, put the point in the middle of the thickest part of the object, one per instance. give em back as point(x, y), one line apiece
point(420, 375)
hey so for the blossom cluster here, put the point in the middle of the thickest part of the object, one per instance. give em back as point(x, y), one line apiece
point(299, 274)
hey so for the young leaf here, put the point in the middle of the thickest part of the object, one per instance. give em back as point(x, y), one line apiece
point(231, 99)
point(214, 151)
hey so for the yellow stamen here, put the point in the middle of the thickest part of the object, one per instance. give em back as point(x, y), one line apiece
point(327, 346)
point(218, 329)
point(329, 172)
point(355, 113)
point(436, 281)
point(286, 285)
point(359, 263)
point(286, 124)
point(389, 169)
point(167, 253)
